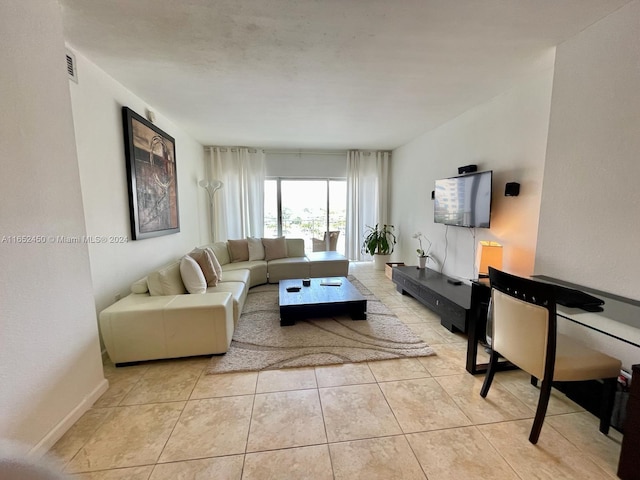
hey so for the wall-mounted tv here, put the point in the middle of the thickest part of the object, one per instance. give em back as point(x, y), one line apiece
point(464, 201)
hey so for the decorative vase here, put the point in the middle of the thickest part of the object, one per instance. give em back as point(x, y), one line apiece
point(422, 262)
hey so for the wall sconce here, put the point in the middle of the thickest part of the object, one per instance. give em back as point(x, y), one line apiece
point(211, 187)
point(512, 189)
point(490, 256)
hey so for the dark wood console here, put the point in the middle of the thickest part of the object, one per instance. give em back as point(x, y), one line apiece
point(452, 302)
point(461, 307)
point(629, 466)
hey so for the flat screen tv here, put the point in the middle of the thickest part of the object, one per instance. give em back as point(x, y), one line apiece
point(464, 201)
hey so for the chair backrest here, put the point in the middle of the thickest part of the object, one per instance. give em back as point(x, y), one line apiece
point(523, 327)
point(333, 239)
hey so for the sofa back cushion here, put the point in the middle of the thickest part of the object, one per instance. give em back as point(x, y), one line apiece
point(274, 248)
point(140, 286)
point(238, 250)
point(166, 281)
point(256, 249)
point(153, 281)
point(221, 252)
point(295, 247)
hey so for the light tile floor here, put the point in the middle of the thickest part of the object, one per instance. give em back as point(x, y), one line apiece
point(399, 419)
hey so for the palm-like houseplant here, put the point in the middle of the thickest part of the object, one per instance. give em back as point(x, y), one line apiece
point(379, 241)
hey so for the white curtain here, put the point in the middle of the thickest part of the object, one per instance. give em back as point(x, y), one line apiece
point(239, 204)
point(367, 197)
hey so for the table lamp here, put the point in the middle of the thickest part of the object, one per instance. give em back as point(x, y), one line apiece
point(490, 256)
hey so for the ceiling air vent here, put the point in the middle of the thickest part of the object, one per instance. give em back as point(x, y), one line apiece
point(72, 72)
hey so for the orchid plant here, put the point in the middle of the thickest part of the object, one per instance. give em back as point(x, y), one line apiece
point(421, 252)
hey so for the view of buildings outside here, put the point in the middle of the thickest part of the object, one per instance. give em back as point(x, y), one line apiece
point(304, 210)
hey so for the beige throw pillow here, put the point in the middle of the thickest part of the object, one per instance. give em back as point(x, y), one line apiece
point(192, 275)
point(274, 248)
point(202, 257)
point(256, 249)
point(239, 250)
point(216, 264)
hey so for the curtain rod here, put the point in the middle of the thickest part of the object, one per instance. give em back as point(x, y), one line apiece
point(233, 149)
point(309, 152)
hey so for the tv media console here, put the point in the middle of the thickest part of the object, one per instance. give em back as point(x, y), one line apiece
point(444, 295)
point(461, 307)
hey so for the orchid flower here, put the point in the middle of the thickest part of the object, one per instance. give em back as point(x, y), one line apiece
point(421, 252)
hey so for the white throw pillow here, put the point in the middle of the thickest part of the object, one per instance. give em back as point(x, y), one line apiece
point(256, 249)
point(216, 264)
point(192, 275)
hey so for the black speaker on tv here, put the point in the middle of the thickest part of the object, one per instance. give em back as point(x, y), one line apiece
point(512, 189)
point(467, 169)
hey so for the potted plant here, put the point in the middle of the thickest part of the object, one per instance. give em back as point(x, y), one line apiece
point(423, 255)
point(379, 242)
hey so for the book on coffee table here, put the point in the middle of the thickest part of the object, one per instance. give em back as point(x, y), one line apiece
point(331, 282)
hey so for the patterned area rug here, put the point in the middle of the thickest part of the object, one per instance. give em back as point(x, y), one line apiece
point(260, 343)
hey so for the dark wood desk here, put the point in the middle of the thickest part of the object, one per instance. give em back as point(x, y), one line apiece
point(477, 332)
point(629, 465)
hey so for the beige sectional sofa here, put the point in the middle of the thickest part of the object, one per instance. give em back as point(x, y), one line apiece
point(160, 319)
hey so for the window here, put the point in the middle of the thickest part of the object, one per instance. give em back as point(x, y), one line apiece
point(312, 209)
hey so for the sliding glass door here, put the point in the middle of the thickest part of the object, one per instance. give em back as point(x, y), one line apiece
point(312, 209)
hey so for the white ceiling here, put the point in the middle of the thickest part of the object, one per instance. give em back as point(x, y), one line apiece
point(321, 74)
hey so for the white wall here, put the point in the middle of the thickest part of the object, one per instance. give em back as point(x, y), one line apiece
point(589, 220)
point(50, 364)
point(301, 164)
point(97, 100)
point(508, 135)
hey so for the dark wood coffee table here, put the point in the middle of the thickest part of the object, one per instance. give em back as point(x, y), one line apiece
point(320, 300)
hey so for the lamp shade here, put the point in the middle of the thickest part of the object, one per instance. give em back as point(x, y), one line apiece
point(490, 256)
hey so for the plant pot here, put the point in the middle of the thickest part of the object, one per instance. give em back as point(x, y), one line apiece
point(380, 261)
point(422, 262)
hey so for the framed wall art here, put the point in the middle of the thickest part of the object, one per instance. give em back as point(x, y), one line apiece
point(151, 178)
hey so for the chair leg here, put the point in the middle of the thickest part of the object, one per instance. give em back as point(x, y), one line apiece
point(543, 402)
point(534, 381)
point(488, 378)
point(608, 398)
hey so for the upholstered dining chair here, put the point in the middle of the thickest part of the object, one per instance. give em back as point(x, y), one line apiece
point(523, 331)
point(321, 245)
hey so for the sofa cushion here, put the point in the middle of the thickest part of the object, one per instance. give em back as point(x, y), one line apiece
point(287, 268)
point(166, 281)
point(140, 286)
point(192, 275)
point(171, 280)
point(295, 247)
point(239, 292)
point(204, 260)
point(237, 275)
point(256, 249)
point(327, 264)
point(257, 269)
point(216, 264)
point(274, 248)
point(221, 251)
point(238, 250)
point(153, 281)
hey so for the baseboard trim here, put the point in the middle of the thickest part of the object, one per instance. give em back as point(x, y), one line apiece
point(67, 422)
